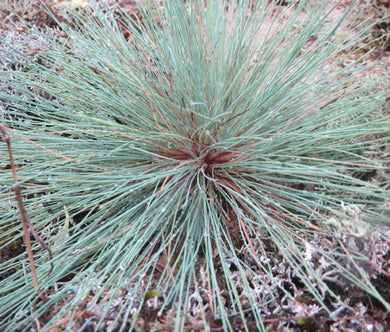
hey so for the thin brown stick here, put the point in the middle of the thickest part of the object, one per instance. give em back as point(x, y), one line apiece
point(26, 222)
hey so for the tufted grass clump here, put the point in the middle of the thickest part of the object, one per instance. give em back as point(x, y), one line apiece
point(167, 159)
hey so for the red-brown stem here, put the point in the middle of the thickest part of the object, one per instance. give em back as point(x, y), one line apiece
point(23, 213)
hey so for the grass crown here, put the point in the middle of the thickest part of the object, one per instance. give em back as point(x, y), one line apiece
point(171, 158)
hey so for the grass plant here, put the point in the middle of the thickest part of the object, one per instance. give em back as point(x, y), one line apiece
point(167, 159)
